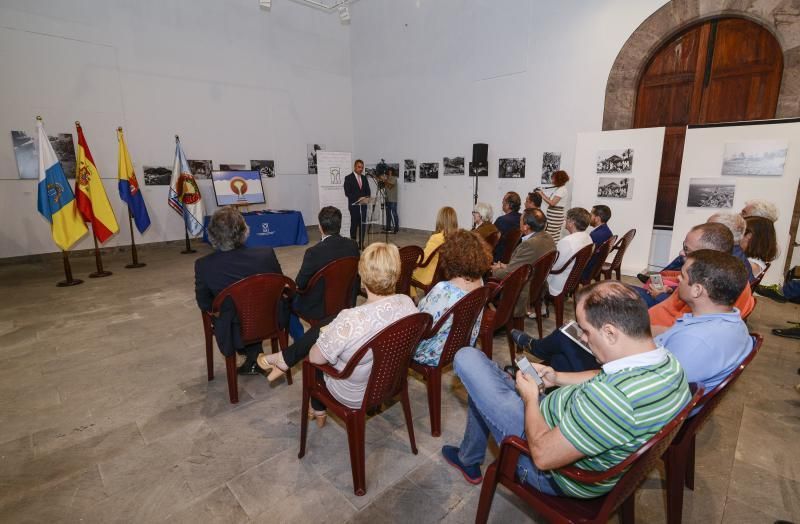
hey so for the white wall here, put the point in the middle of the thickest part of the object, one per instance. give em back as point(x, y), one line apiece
point(430, 78)
point(236, 83)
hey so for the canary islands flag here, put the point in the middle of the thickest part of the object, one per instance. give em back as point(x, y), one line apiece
point(90, 194)
point(129, 187)
point(56, 202)
point(184, 194)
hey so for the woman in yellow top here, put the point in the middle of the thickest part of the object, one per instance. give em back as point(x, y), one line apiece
point(446, 223)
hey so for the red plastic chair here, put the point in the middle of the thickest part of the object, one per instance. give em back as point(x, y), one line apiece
point(616, 263)
point(410, 257)
point(464, 314)
point(426, 288)
point(504, 297)
point(510, 241)
point(493, 239)
point(391, 349)
point(757, 280)
point(257, 299)
point(679, 457)
point(541, 268)
point(578, 261)
point(600, 255)
point(634, 469)
point(338, 280)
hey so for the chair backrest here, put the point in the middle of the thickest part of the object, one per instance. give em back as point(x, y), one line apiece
point(621, 247)
point(493, 239)
point(579, 261)
point(541, 268)
point(464, 313)
point(258, 300)
point(709, 402)
point(339, 279)
point(392, 349)
point(598, 258)
point(410, 257)
point(510, 241)
point(757, 280)
point(507, 292)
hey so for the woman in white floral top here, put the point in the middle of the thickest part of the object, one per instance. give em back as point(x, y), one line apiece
point(465, 257)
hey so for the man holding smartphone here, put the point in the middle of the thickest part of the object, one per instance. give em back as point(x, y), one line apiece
point(639, 383)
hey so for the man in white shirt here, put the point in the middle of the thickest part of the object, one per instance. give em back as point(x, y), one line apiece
point(576, 223)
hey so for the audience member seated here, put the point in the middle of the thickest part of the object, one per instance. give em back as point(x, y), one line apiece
point(446, 223)
point(231, 262)
point(464, 258)
point(332, 246)
point(759, 243)
point(508, 221)
point(533, 200)
point(761, 208)
point(709, 342)
point(735, 222)
point(337, 342)
point(599, 217)
point(577, 222)
point(639, 389)
point(482, 220)
point(534, 243)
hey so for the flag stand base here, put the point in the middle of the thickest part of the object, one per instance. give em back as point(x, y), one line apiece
point(134, 266)
point(68, 273)
point(67, 283)
point(100, 274)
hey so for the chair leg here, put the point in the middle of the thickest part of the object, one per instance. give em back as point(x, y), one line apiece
point(627, 512)
point(304, 418)
point(539, 317)
point(559, 306)
point(355, 439)
point(209, 348)
point(487, 339)
point(233, 384)
point(283, 339)
point(434, 384)
point(487, 494)
point(689, 477)
point(519, 324)
point(675, 465)
point(409, 421)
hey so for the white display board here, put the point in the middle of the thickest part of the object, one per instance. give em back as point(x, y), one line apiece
point(332, 167)
point(703, 158)
point(608, 156)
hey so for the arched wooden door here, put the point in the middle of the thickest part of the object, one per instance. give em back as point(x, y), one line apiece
point(722, 70)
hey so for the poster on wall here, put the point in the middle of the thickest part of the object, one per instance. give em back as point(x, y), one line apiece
point(232, 167)
point(754, 158)
point(311, 156)
point(512, 168)
point(201, 169)
point(429, 170)
point(453, 165)
point(551, 162)
point(238, 188)
point(266, 168)
point(333, 167)
point(711, 192)
point(409, 171)
point(615, 161)
point(27, 157)
point(480, 170)
point(157, 175)
point(615, 187)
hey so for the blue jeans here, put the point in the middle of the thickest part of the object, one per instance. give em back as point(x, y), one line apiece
point(496, 408)
point(392, 221)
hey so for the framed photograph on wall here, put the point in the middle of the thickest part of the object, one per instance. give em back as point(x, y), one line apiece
point(453, 165)
point(754, 158)
point(615, 187)
point(512, 168)
point(711, 192)
point(238, 188)
point(409, 170)
point(551, 162)
point(615, 161)
point(429, 170)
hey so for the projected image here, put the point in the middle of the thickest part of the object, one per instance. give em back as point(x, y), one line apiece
point(237, 188)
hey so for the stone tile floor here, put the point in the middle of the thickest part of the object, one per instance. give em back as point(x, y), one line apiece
point(107, 416)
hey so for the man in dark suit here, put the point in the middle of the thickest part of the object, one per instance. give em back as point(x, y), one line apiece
point(332, 246)
point(599, 217)
point(356, 188)
point(230, 262)
point(534, 243)
point(508, 221)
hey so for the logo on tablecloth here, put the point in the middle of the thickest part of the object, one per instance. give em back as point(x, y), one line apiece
point(265, 231)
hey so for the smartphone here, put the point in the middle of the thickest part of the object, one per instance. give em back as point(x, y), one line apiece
point(525, 366)
point(656, 282)
point(574, 332)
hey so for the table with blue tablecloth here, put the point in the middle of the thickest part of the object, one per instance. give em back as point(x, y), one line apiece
point(272, 228)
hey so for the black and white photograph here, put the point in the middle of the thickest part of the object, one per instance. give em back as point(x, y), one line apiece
point(453, 165)
point(383, 166)
point(615, 187)
point(28, 156)
point(233, 167)
point(157, 176)
point(370, 170)
point(429, 170)
point(409, 171)
point(512, 168)
point(201, 169)
point(615, 161)
point(754, 158)
point(311, 156)
point(711, 192)
point(265, 167)
point(551, 162)
point(64, 146)
point(409, 164)
point(480, 170)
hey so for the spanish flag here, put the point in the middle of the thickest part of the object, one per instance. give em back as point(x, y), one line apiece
point(90, 195)
point(56, 202)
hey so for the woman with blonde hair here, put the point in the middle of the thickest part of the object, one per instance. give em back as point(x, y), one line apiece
point(337, 342)
point(446, 223)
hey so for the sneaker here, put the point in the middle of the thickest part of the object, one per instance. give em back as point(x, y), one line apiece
point(773, 292)
point(643, 277)
point(472, 474)
point(522, 340)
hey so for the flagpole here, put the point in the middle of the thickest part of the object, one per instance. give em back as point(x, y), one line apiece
point(135, 262)
point(188, 248)
point(68, 273)
point(98, 261)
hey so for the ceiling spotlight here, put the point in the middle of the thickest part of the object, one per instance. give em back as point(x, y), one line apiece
point(344, 13)
point(266, 4)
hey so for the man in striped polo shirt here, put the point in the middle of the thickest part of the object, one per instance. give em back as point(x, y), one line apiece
point(596, 419)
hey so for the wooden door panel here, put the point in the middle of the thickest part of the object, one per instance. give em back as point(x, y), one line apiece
point(669, 178)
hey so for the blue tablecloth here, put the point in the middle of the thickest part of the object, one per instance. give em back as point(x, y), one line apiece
point(272, 228)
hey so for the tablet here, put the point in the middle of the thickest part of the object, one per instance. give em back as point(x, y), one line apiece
point(574, 332)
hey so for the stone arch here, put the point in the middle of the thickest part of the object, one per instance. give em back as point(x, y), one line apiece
point(780, 17)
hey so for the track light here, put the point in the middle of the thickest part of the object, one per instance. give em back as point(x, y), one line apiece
point(344, 14)
point(266, 4)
